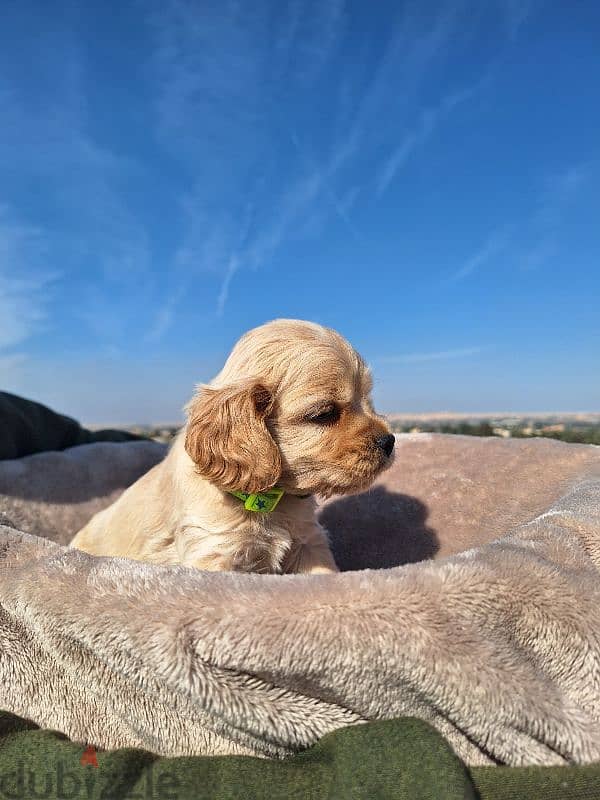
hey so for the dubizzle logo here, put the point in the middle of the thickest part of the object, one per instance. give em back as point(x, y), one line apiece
point(89, 757)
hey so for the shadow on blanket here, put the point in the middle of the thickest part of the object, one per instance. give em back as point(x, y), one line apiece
point(378, 529)
point(496, 644)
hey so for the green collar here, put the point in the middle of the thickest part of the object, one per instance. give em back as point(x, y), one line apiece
point(264, 502)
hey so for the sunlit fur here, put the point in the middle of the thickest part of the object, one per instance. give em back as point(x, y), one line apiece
point(250, 429)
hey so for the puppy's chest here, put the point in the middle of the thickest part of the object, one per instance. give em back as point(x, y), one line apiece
point(264, 546)
point(263, 543)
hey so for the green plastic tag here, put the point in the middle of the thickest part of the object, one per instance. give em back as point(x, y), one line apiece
point(263, 502)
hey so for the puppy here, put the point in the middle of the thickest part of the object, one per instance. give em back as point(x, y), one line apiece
point(288, 417)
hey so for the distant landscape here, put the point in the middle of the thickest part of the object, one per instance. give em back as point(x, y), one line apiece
point(578, 427)
point(581, 428)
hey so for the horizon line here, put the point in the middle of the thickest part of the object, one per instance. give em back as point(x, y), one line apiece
point(393, 415)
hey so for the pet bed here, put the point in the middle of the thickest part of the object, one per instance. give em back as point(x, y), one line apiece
point(494, 639)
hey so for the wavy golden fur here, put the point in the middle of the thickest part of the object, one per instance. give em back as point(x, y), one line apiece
point(292, 408)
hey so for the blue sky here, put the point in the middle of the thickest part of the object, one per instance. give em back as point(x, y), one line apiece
point(423, 177)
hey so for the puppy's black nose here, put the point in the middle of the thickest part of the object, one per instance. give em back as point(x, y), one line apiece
point(386, 443)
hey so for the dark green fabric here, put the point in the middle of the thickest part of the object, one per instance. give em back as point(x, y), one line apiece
point(27, 427)
point(397, 759)
point(537, 783)
point(403, 759)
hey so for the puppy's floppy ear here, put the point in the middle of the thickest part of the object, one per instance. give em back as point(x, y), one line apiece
point(228, 439)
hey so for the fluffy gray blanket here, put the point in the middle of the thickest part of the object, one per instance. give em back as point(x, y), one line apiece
point(495, 643)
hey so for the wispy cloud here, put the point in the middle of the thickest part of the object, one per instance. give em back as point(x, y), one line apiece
point(234, 97)
point(495, 244)
point(217, 114)
point(232, 268)
point(295, 201)
point(25, 279)
point(165, 315)
point(440, 355)
point(542, 230)
point(11, 361)
point(531, 242)
point(12, 368)
point(325, 175)
point(322, 30)
point(214, 69)
point(92, 233)
point(559, 190)
point(410, 53)
point(516, 14)
point(429, 120)
point(418, 43)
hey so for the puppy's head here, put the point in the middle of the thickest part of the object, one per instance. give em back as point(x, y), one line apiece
point(291, 408)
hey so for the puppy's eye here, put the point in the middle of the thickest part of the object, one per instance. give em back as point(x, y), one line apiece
point(328, 416)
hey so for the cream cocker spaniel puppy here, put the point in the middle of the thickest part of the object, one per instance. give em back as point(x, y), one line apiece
point(288, 417)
